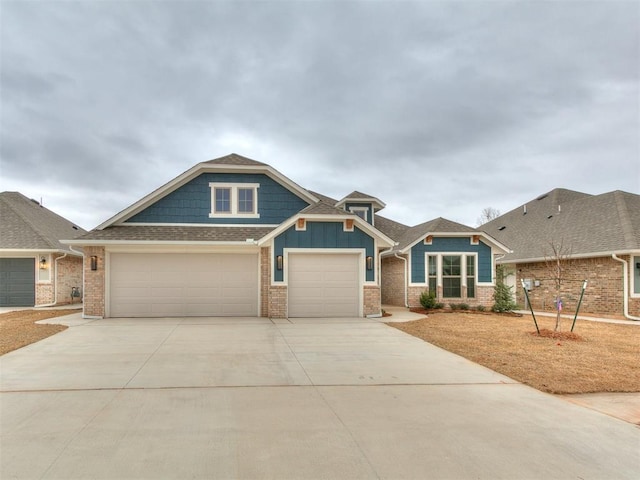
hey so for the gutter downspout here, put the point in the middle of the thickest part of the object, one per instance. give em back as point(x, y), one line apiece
point(406, 293)
point(625, 282)
point(55, 285)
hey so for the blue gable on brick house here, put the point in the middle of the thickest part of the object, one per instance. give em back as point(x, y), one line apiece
point(192, 202)
point(441, 245)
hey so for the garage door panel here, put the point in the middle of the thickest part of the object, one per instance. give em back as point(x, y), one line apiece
point(17, 282)
point(183, 284)
point(324, 285)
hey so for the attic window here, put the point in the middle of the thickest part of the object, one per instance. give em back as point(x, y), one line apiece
point(362, 212)
point(230, 200)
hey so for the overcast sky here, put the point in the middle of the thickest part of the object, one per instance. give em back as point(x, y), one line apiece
point(439, 109)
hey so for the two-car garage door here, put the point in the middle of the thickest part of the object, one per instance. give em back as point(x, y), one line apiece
point(181, 284)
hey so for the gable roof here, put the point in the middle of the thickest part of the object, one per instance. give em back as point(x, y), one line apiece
point(229, 163)
point(27, 225)
point(235, 159)
point(585, 225)
point(358, 197)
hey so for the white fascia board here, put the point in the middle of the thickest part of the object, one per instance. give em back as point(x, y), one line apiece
point(606, 254)
point(35, 251)
point(199, 169)
point(376, 234)
point(154, 196)
point(201, 225)
point(376, 201)
point(100, 243)
point(482, 235)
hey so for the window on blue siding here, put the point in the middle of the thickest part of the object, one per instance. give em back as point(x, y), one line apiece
point(451, 276)
point(471, 276)
point(245, 200)
point(433, 273)
point(223, 200)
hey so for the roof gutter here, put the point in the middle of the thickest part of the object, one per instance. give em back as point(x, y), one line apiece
point(625, 282)
point(55, 285)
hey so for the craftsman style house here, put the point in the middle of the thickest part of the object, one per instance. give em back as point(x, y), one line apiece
point(235, 237)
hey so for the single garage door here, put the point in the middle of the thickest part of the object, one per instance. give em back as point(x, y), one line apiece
point(17, 282)
point(324, 285)
point(181, 284)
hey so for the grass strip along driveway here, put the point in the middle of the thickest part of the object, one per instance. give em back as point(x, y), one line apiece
point(604, 357)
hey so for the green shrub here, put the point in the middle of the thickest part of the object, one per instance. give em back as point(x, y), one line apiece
point(454, 306)
point(464, 306)
point(428, 300)
point(503, 301)
point(439, 306)
point(481, 308)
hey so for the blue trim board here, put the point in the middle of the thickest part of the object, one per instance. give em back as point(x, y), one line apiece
point(323, 235)
point(191, 203)
point(450, 244)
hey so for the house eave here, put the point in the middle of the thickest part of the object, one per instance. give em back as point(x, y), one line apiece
point(487, 238)
point(602, 254)
point(192, 173)
point(383, 240)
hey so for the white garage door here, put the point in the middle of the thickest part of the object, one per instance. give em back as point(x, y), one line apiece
point(324, 285)
point(180, 284)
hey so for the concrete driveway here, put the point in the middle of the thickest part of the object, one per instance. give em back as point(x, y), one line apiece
point(249, 398)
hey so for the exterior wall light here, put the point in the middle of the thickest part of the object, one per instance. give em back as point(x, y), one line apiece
point(279, 262)
point(43, 263)
point(94, 262)
point(369, 263)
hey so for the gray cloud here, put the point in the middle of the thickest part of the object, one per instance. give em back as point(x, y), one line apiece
point(439, 109)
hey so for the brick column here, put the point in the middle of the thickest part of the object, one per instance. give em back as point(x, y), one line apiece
point(94, 283)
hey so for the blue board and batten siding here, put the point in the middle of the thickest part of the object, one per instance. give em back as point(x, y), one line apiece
point(191, 203)
point(323, 235)
point(368, 206)
point(450, 245)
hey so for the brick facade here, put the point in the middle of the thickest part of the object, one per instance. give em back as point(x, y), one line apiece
point(94, 283)
point(392, 281)
point(371, 295)
point(68, 273)
point(277, 301)
point(604, 294)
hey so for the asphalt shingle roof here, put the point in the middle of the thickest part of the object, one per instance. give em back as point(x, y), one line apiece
point(25, 224)
point(141, 233)
point(235, 159)
point(583, 224)
point(437, 225)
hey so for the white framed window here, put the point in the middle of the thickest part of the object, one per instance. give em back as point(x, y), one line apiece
point(234, 200)
point(362, 212)
point(452, 271)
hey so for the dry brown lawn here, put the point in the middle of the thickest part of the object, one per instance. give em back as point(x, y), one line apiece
point(17, 329)
point(604, 357)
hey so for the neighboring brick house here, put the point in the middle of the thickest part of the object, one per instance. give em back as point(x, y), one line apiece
point(599, 233)
point(35, 268)
point(234, 237)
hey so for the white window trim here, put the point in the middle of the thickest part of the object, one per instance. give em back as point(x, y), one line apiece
point(463, 266)
point(234, 187)
point(632, 274)
point(361, 209)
